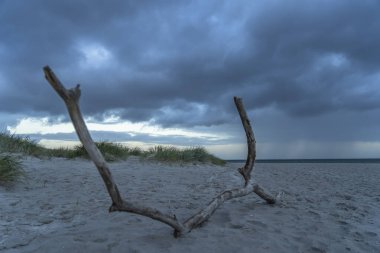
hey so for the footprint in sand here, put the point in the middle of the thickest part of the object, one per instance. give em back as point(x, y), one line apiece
point(369, 233)
point(100, 240)
point(258, 223)
point(358, 237)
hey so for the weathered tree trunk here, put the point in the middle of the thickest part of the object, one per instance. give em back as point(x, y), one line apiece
point(71, 99)
point(249, 187)
point(251, 142)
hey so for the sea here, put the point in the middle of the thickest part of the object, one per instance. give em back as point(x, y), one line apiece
point(366, 160)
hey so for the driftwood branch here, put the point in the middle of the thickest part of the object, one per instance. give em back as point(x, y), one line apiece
point(249, 186)
point(71, 98)
point(251, 142)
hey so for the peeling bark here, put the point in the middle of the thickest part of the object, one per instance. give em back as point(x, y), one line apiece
point(71, 98)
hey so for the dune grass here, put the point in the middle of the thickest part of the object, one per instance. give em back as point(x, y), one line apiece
point(10, 143)
point(111, 151)
point(114, 152)
point(193, 154)
point(10, 169)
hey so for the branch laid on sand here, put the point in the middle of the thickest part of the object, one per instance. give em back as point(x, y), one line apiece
point(71, 99)
point(251, 142)
point(249, 186)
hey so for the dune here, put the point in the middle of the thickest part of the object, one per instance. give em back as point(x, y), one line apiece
point(62, 206)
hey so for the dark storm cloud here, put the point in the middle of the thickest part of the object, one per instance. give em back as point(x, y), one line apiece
point(179, 62)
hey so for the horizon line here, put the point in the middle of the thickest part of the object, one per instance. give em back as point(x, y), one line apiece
point(310, 160)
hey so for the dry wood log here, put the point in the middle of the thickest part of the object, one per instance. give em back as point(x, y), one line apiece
point(249, 186)
point(251, 142)
point(71, 98)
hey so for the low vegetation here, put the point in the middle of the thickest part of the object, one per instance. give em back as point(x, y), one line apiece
point(111, 151)
point(194, 154)
point(10, 143)
point(10, 169)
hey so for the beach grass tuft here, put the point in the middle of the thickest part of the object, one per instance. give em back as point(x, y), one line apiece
point(10, 143)
point(111, 151)
point(10, 169)
point(193, 154)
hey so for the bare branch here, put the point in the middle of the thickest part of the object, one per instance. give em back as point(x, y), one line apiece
point(153, 214)
point(203, 215)
point(261, 192)
point(251, 142)
point(249, 187)
point(71, 98)
point(55, 83)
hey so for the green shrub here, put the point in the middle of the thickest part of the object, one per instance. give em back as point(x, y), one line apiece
point(10, 169)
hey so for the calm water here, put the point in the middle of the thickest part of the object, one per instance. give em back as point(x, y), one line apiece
point(375, 160)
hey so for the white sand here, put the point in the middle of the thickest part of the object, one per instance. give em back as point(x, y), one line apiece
point(62, 207)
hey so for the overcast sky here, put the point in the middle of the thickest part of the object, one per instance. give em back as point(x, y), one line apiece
point(165, 72)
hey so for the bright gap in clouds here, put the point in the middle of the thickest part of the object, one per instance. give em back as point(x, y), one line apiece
point(216, 142)
point(43, 126)
point(94, 55)
point(70, 144)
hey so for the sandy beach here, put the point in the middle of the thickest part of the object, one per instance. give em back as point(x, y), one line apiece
point(62, 206)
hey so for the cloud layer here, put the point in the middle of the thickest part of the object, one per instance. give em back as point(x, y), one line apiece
point(179, 63)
